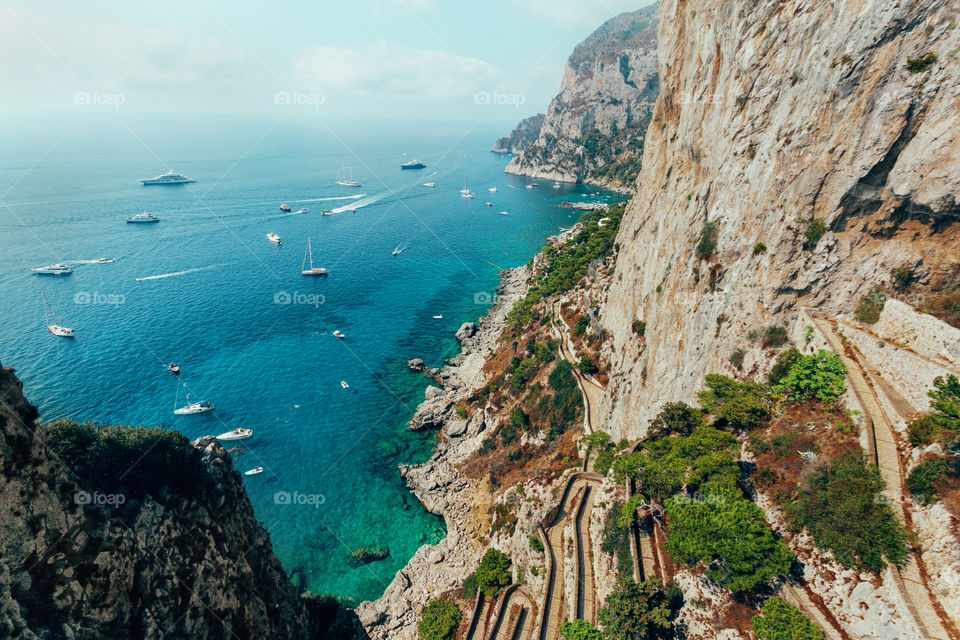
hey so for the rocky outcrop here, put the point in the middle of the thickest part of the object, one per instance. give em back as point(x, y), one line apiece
point(593, 130)
point(76, 561)
point(772, 114)
point(522, 136)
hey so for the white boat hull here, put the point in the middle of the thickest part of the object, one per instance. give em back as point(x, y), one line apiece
point(191, 409)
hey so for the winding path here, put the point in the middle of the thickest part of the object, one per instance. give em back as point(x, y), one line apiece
point(929, 618)
point(591, 390)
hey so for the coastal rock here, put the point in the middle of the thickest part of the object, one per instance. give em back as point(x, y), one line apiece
point(466, 330)
point(523, 135)
point(594, 128)
point(432, 392)
point(415, 364)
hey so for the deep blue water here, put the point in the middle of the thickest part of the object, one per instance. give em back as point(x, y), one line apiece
point(66, 187)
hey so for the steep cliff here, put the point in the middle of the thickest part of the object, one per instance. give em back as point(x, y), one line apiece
point(798, 153)
point(162, 552)
point(522, 136)
point(593, 130)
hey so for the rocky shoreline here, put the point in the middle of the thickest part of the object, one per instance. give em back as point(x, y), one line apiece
point(439, 486)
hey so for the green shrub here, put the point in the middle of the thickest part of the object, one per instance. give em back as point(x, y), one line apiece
point(838, 504)
point(728, 535)
point(640, 610)
point(439, 620)
point(493, 574)
point(708, 240)
point(759, 248)
point(579, 629)
point(587, 366)
point(926, 430)
point(736, 358)
point(775, 336)
point(515, 455)
point(675, 418)
point(469, 588)
point(924, 477)
point(616, 539)
point(821, 376)
point(814, 231)
point(784, 362)
point(945, 397)
point(901, 277)
point(581, 325)
point(639, 327)
point(870, 306)
point(782, 621)
point(743, 405)
point(141, 460)
point(921, 64)
point(536, 544)
point(461, 412)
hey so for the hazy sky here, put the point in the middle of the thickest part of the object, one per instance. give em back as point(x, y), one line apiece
point(496, 60)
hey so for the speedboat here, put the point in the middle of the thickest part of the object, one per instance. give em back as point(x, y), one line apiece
point(492, 189)
point(489, 204)
point(439, 317)
point(343, 383)
point(556, 185)
point(58, 269)
point(272, 237)
point(429, 184)
point(326, 212)
point(105, 259)
point(167, 178)
point(253, 472)
point(413, 164)
point(194, 407)
point(396, 251)
point(143, 217)
point(339, 334)
point(236, 434)
point(302, 210)
point(174, 368)
point(504, 213)
point(284, 206)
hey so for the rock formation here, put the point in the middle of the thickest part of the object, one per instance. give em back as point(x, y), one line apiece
point(772, 115)
point(522, 136)
point(159, 564)
point(593, 130)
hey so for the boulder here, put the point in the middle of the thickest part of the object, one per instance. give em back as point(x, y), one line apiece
point(466, 330)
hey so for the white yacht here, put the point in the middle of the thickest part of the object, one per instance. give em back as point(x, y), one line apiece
point(143, 217)
point(413, 164)
point(339, 334)
point(504, 213)
point(345, 177)
point(274, 238)
point(429, 184)
point(51, 317)
point(465, 192)
point(343, 383)
point(58, 269)
point(489, 204)
point(170, 177)
point(492, 189)
point(253, 472)
point(284, 206)
point(236, 434)
point(302, 210)
point(193, 407)
point(312, 271)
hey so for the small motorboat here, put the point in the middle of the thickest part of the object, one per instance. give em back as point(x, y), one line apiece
point(429, 184)
point(174, 368)
point(556, 185)
point(302, 210)
point(284, 206)
point(492, 189)
point(194, 407)
point(103, 260)
point(489, 204)
point(343, 383)
point(339, 334)
point(504, 213)
point(236, 434)
point(326, 212)
point(532, 185)
point(58, 269)
point(274, 238)
point(253, 472)
point(439, 317)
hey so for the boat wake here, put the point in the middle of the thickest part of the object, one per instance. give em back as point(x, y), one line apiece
point(364, 202)
point(182, 273)
point(327, 198)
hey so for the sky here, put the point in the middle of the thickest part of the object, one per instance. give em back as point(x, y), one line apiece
point(495, 60)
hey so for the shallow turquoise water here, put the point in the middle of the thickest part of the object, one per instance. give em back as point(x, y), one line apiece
point(67, 186)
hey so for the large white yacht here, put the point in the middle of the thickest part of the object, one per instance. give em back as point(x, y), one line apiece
point(143, 217)
point(170, 177)
point(58, 269)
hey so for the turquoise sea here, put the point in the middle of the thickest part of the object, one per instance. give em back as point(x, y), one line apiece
point(203, 288)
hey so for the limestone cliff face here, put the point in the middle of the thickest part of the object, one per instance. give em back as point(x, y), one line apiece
point(154, 566)
point(771, 113)
point(522, 136)
point(598, 118)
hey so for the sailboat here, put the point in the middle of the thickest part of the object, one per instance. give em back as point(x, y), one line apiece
point(345, 177)
point(193, 407)
point(465, 192)
point(312, 271)
point(51, 314)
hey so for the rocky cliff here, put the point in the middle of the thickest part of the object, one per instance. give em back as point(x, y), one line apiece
point(178, 554)
point(798, 153)
point(593, 130)
point(522, 136)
